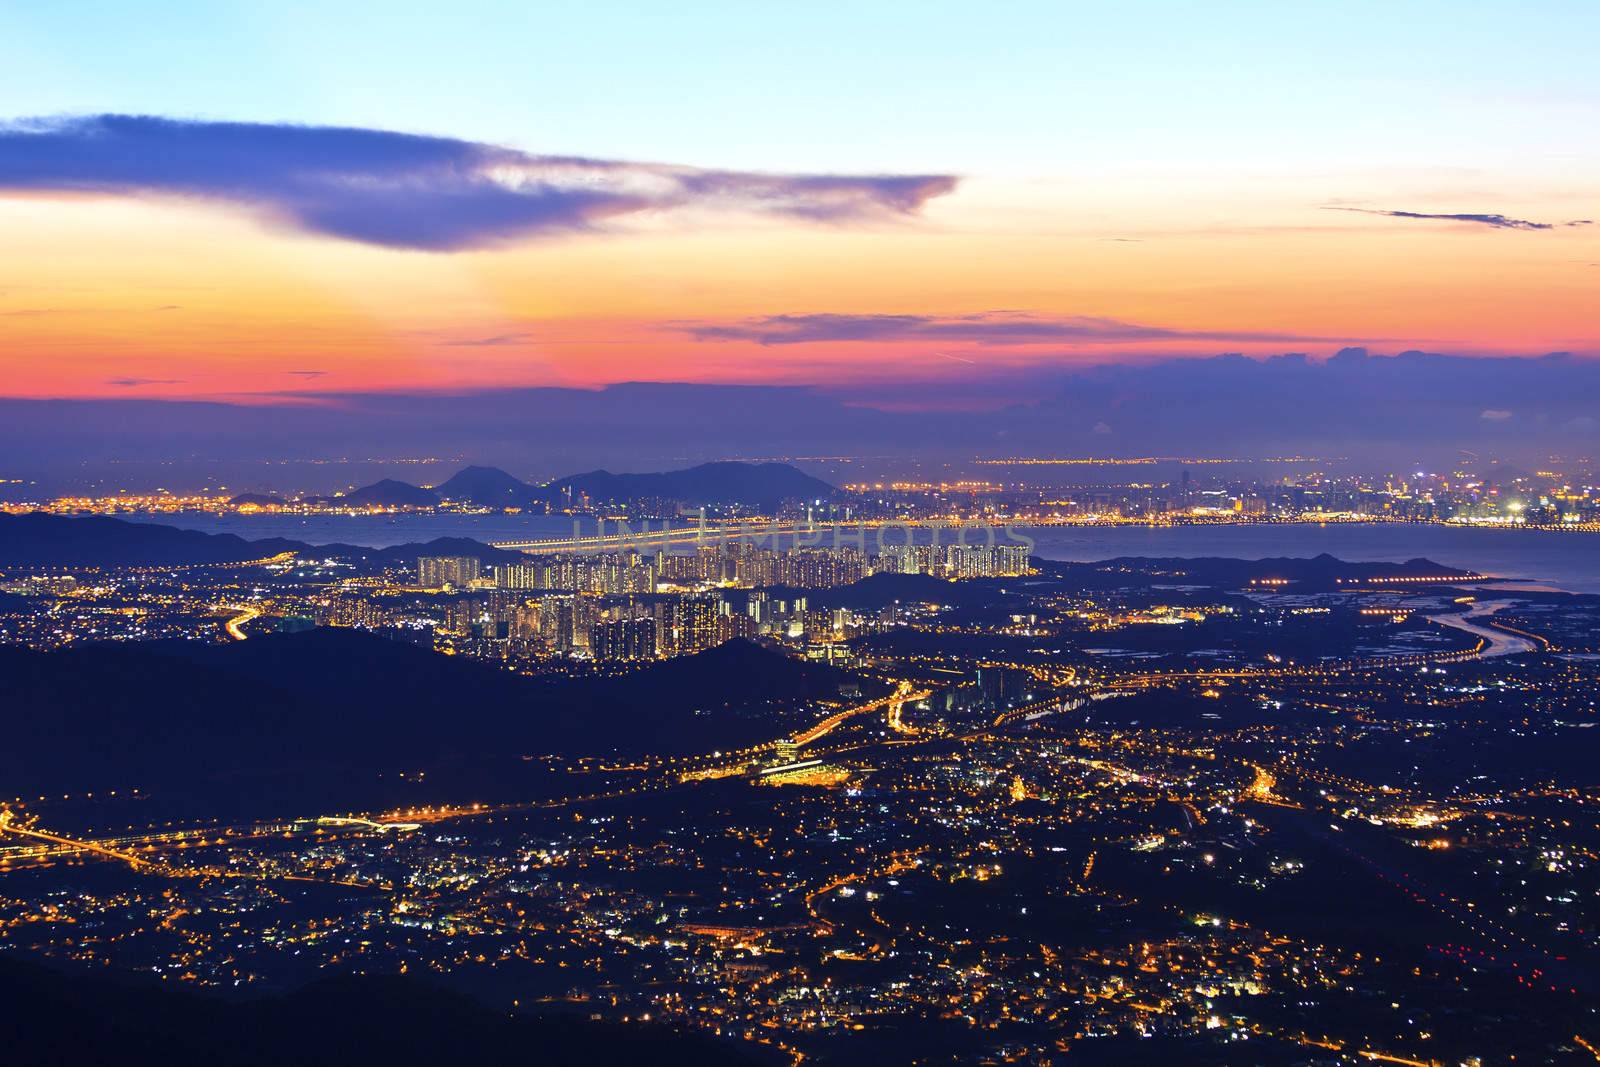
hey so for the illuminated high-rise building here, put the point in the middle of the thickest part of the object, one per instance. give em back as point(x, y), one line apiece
point(625, 640)
point(697, 624)
point(441, 572)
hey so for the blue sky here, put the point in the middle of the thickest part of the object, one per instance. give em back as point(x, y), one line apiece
point(1010, 88)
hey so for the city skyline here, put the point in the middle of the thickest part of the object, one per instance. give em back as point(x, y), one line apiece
point(799, 535)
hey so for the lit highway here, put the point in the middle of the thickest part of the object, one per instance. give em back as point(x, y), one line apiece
point(902, 695)
point(8, 825)
point(235, 625)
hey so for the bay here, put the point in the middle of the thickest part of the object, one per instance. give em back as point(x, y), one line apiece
point(1564, 560)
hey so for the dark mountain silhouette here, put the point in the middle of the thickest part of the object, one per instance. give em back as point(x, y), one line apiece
point(259, 499)
point(692, 703)
point(40, 540)
point(760, 485)
point(489, 487)
point(323, 705)
point(753, 484)
point(52, 1018)
point(1318, 572)
point(391, 493)
point(878, 591)
point(439, 546)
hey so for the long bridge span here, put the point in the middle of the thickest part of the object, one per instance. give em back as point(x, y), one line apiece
point(625, 536)
point(813, 534)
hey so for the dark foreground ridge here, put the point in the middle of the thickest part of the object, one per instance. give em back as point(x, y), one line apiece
point(319, 705)
point(56, 1019)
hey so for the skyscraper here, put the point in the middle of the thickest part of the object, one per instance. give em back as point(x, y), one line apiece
point(624, 640)
point(439, 572)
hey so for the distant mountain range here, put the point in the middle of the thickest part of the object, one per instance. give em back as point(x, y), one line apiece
point(753, 484)
point(759, 485)
point(40, 540)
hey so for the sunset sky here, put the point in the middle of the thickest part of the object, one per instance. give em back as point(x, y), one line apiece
point(207, 200)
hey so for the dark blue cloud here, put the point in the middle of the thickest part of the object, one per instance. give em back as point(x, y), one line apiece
point(1499, 222)
point(409, 191)
point(1379, 409)
point(986, 328)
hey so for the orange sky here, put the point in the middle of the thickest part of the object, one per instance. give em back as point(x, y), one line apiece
point(122, 297)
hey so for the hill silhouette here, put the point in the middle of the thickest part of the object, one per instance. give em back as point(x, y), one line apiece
point(750, 484)
point(38, 539)
point(877, 591)
point(391, 493)
point(1319, 572)
point(314, 708)
point(53, 1018)
point(489, 487)
point(754, 484)
point(41, 540)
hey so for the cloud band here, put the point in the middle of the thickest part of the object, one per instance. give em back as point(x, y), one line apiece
point(410, 191)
